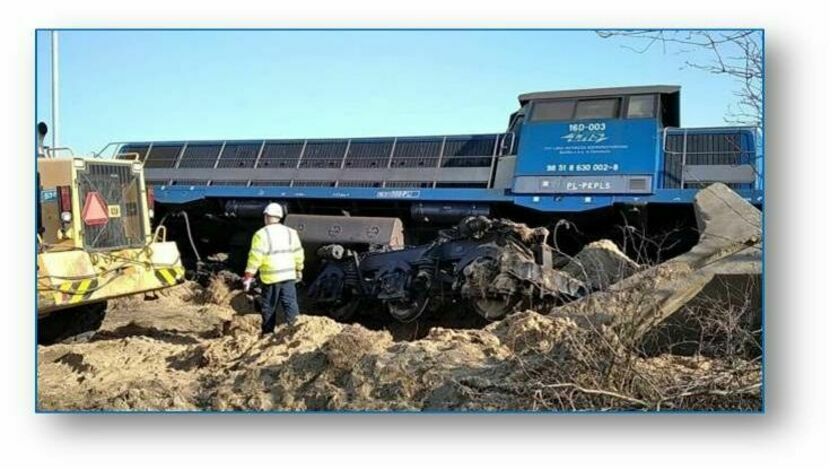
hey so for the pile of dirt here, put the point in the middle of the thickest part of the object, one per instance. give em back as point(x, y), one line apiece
point(163, 359)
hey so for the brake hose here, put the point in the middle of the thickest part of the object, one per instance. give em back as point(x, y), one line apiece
point(190, 237)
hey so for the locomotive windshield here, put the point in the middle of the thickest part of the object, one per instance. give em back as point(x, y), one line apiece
point(635, 107)
point(598, 109)
point(642, 106)
point(553, 110)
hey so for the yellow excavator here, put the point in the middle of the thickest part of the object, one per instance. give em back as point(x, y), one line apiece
point(94, 240)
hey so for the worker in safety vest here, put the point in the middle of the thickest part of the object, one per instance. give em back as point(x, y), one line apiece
point(277, 254)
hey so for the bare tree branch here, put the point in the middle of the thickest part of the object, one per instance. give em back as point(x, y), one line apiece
point(737, 55)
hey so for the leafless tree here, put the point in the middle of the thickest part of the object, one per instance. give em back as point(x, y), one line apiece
point(736, 54)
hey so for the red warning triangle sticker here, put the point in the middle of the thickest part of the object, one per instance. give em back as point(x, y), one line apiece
point(95, 209)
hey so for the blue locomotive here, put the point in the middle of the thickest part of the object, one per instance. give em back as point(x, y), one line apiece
point(577, 153)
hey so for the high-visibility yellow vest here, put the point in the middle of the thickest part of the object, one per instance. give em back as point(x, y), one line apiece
point(276, 252)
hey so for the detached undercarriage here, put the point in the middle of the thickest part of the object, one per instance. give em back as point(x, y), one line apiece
point(490, 266)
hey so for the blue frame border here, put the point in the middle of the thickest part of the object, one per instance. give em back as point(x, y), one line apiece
point(458, 412)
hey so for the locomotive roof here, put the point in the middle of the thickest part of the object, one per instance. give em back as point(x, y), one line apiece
point(597, 92)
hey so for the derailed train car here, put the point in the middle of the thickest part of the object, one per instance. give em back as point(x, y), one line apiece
point(584, 155)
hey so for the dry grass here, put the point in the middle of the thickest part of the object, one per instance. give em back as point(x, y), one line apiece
point(635, 349)
point(591, 370)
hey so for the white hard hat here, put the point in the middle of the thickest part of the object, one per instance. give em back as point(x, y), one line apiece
point(274, 210)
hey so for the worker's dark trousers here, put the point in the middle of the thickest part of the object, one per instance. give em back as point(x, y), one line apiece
point(284, 293)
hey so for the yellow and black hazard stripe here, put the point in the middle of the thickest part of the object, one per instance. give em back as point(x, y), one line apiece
point(169, 276)
point(78, 291)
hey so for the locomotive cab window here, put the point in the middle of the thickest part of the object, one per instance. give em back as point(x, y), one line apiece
point(598, 109)
point(553, 110)
point(641, 106)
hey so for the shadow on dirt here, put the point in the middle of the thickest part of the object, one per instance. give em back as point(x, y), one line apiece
point(134, 329)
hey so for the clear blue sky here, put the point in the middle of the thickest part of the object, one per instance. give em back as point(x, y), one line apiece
point(171, 85)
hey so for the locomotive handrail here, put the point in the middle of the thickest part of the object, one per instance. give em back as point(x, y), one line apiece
point(667, 130)
point(114, 145)
point(710, 128)
point(687, 152)
point(115, 149)
point(503, 141)
point(739, 158)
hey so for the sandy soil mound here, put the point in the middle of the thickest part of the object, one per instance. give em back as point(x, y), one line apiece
point(167, 355)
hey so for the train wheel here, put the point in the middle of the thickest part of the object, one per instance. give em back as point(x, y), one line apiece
point(493, 309)
point(343, 310)
point(412, 308)
point(486, 291)
point(406, 311)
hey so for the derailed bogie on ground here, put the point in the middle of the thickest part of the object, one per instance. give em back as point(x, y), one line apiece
point(491, 266)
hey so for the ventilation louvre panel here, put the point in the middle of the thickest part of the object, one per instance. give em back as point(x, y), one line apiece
point(417, 161)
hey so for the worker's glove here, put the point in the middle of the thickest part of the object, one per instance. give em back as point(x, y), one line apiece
point(246, 283)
